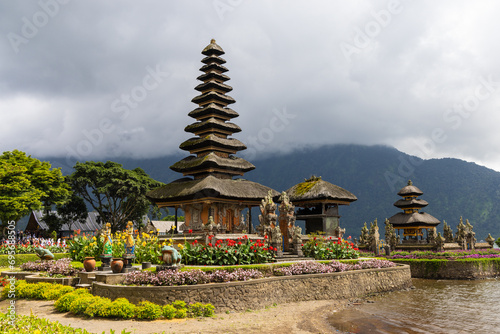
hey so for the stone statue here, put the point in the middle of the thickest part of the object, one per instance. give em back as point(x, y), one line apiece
point(363, 238)
point(129, 241)
point(170, 256)
point(431, 235)
point(44, 254)
point(448, 232)
point(460, 236)
point(374, 238)
point(440, 240)
point(339, 232)
point(470, 239)
point(107, 248)
point(268, 216)
point(391, 238)
point(287, 221)
point(490, 240)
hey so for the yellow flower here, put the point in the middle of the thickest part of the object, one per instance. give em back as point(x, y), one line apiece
point(170, 240)
point(84, 238)
point(163, 244)
point(144, 244)
point(37, 332)
point(173, 227)
point(181, 246)
point(169, 244)
point(94, 238)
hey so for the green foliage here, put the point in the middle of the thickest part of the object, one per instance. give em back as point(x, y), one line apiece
point(23, 258)
point(231, 252)
point(64, 302)
point(181, 313)
point(100, 307)
point(32, 324)
point(498, 242)
point(115, 193)
point(28, 184)
point(79, 305)
point(169, 311)
point(122, 308)
point(179, 304)
point(200, 310)
point(148, 310)
point(322, 248)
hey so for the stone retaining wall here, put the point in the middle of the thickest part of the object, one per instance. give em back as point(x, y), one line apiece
point(257, 294)
point(450, 269)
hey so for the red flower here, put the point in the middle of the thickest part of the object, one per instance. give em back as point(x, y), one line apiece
point(210, 244)
point(301, 245)
point(190, 231)
point(316, 244)
point(255, 251)
point(356, 248)
point(314, 238)
point(226, 250)
point(265, 237)
point(251, 247)
point(349, 237)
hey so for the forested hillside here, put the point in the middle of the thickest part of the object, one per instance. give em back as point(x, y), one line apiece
point(374, 174)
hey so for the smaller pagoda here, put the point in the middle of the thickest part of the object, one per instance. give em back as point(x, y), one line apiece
point(411, 221)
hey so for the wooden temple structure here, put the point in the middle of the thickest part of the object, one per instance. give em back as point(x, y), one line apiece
point(411, 222)
point(209, 194)
point(318, 205)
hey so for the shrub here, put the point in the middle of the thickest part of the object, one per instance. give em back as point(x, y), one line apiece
point(179, 304)
point(64, 302)
point(321, 248)
point(23, 258)
point(122, 308)
point(80, 304)
point(200, 310)
point(59, 267)
point(181, 314)
point(100, 307)
point(148, 310)
point(169, 311)
point(56, 291)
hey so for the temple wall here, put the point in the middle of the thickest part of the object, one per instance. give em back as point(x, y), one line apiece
point(453, 269)
point(257, 294)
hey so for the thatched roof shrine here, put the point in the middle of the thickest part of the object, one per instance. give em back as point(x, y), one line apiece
point(317, 190)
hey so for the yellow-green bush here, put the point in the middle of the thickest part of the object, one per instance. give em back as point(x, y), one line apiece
point(169, 311)
point(148, 310)
point(122, 308)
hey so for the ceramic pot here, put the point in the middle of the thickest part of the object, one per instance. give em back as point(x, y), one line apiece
point(117, 265)
point(89, 264)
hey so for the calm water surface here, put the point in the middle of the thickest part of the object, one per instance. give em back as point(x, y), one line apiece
point(435, 306)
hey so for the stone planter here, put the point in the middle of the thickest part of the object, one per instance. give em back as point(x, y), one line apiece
point(117, 265)
point(36, 278)
point(146, 265)
point(89, 264)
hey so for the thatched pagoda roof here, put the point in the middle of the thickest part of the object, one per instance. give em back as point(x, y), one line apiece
point(316, 189)
point(402, 220)
point(412, 203)
point(213, 110)
point(213, 161)
point(186, 189)
point(212, 140)
point(212, 75)
point(213, 59)
point(212, 49)
point(213, 85)
point(410, 190)
point(211, 124)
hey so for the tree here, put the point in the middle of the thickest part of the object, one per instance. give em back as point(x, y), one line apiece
point(117, 194)
point(69, 212)
point(28, 184)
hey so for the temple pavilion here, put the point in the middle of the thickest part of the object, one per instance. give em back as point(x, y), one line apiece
point(318, 202)
point(411, 221)
point(212, 185)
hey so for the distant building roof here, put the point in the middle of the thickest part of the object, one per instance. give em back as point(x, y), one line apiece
point(36, 222)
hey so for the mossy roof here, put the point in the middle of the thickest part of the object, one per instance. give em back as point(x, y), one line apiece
point(410, 190)
point(318, 189)
point(210, 186)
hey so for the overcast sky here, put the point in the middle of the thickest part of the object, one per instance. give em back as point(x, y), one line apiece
point(103, 79)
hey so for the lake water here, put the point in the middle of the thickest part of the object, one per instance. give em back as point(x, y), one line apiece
point(434, 306)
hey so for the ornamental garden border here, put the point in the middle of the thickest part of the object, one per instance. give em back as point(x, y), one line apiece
point(259, 293)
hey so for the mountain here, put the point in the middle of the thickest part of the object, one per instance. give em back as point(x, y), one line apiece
point(374, 174)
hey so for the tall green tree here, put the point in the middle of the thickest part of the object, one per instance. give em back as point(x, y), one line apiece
point(28, 184)
point(117, 194)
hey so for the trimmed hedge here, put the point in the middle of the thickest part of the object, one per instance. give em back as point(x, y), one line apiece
point(23, 258)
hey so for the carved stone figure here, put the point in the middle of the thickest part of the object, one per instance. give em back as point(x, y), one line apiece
point(391, 238)
point(287, 220)
point(170, 256)
point(440, 240)
point(448, 232)
point(431, 235)
point(339, 232)
point(470, 240)
point(44, 254)
point(374, 238)
point(460, 236)
point(363, 238)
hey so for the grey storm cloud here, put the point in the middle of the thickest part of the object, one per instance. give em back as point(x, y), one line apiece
point(100, 79)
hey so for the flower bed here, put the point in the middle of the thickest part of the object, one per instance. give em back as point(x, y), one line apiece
point(322, 248)
point(451, 255)
point(61, 267)
point(228, 252)
point(29, 249)
point(192, 277)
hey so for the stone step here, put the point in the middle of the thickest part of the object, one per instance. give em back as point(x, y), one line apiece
point(83, 285)
point(293, 259)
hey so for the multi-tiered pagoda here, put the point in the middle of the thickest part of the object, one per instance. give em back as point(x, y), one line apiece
point(411, 220)
point(208, 188)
